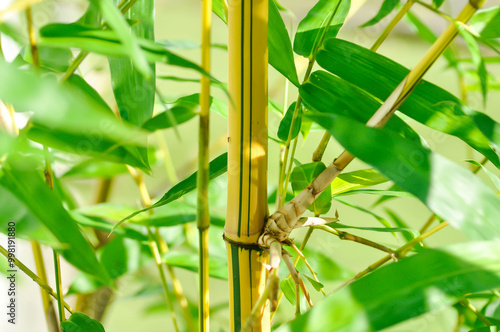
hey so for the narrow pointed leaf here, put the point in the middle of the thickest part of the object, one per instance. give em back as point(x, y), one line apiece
point(286, 122)
point(450, 191)
point(425, 282)
point(428, 104)
point(29, 187)
point(217, 167)
point(311, 28)
point(386, 8)
point(487, 22)
point(477, 61)
point(302, 176)
point(346, 182)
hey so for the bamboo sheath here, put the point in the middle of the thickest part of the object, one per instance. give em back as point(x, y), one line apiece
point(247, 159)
point(284, 220)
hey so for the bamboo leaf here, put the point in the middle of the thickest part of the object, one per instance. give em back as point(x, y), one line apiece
point(28, 187)
point(217, 167)
point(287, 286)
point(189, 261)
point(428, 104)
point(486, 329)
point(477, 60)
point(302, 176)
point(218, 9)
point(121, 256)
point(493, 177)
point(313, 25)
point(330, 94)
point(393, 193)
point(425, 282)
point(359, 208)
point(94, 168)
point(346, 182)
point(486, 22)
point(326, 268)
point(286, 122)
point(117, 22)
point(447, 189)
point(280, 47)
point(79, 322)
point(401, 224)
point(437, 3)
point(317, 285)
point(405, 230)
point(386, 8)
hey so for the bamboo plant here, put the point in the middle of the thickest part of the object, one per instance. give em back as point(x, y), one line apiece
point(272, 248)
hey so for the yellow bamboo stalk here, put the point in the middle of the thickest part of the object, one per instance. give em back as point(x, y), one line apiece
point(203, 215)
point(247, 160)
point(281, 223)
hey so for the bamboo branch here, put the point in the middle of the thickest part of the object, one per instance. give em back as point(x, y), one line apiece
point(282, 222)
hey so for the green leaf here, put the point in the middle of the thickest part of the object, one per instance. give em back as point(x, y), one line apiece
point(79, 322)
point(447, 189)
point(401, 224)
point(326, 268)
point(387, 7)
point(327, 93)
point(94, 168)
point(486, 329)
point(107, 42)
point(287, 286)
point(437, 3)
point(425, 282)
point(428, 104)
point(356, 180)
point(493, 177)
point(183, 110)
point(408, 231)
point(217, 167)
point(477, 61)
point(134, 94)
point(302, 176)
point(489, 127)
point(29, 187)
point(57, 59)
point(280, 48)
point(121, 256)
point(286, 122)
point(362, 209)
point(189, 261)
point(129, 41)
point(486, 22)
point(218, 9)
point(317, 285)
point(312, 27)
point(393, 193)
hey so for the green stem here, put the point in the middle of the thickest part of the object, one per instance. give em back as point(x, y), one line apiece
point(34, 277)
point(57, 271)
point(466, 303)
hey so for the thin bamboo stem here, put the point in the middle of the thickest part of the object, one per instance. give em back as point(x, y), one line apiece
point(282, 222)
point(43, 285)
point(57, 271)
point(203, 214)
point(401, 252)
point(466, 303)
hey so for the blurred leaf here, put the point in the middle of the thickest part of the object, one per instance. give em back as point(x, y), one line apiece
point(489, 127)
point(393, 193)
point(286, 122)
point(121, 256)
point(362, 209)
point(94, 168)
point(387, 7)
point(183, 110)
point(327, 93)
point(135, 93)
point(447, 189)
point(486, 22)
point(477, 60)
point(280, 48)
point(52, 103)
point(437, 3)
point(401, 224)
point(426, 33)
point(356, 180)
point(386, 198)
point(91, 17)
point(189, 261)
point(428, 104)
point(325, 267)
point(486, 329)
point(29, 187)
point(57, 59)
point(127, 38)
point(106, 42)
point(302, 176)
point(217, 166)
point(408, 231)
point(425, 282)
point(313, 25)
point(493, 177)
point(79, 322)
point(28, 227)
point(287, 286)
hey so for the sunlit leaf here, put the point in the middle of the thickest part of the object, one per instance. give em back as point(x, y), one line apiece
point(189, 261)
point(79, 322)
point(302, 176)
point(356, 180)
point(386, 8)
